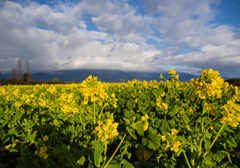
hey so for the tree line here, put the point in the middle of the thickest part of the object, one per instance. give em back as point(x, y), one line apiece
point(18, 77)
point(16, 74)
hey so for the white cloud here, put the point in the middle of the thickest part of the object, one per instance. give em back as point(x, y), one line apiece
point(58, 37)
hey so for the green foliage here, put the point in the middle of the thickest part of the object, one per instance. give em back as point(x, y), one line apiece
point(28, 128)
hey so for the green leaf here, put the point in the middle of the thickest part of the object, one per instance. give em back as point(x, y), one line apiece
point(128, 114)
point(18, 115)
point(29, 124)
point(126, 164)
point(152, 141)
point(167, 99)
point(130, 131)
point(12, 131)
point(26, 161)
point(208, 135)
point(231, 141)
point(79, 155)
point(207, 144)
point(98, 149)
point(165, 128)
point(32, 137)
point(139, 127)
point(81, 160)
point(144, 164)
point(13, 151)
point(172, 112)
point(157, 122)
point(171, 123)
point(127, 121)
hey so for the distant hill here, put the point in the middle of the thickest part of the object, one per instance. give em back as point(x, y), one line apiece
point(103, 75)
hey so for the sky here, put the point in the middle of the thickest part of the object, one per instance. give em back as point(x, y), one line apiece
point(127, 35)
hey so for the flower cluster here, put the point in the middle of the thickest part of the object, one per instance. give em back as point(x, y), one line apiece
point(145, 122)
point(52, 90)
point(209, 83)
point(173, 76)
point(93, 89)
point(68, 104)
point(113, 100)
point(211, 108)
point(170, 141)
point(231, 113)
point(41, 148)
point(163, 106)
point(106, 129)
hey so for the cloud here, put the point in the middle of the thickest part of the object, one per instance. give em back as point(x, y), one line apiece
point(58, 36)
point(215, 57)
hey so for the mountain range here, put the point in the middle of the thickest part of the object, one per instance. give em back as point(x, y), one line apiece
point(111, 76)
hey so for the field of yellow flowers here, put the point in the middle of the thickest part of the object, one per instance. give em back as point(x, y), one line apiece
point(113, 125)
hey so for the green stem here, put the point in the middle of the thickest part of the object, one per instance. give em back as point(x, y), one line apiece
point(200, 147)
point(115, 151)
point(229, 159)
point(105, 153)
point(192, 157)
point(71, 163)
point(203, 111)
point(215, 139)
point(186, 159)
point(94, 112)
point(35, 162)
point(81, 120)
point(102, 110)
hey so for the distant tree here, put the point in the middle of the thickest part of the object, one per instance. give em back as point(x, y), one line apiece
point(19, 66)
point(26, 77)
point(72, 82)
point(12, 82)
point(29, 77)
point(14, 74)
point(55, 80)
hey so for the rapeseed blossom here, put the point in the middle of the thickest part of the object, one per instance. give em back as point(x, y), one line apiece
point(41, 149)
point(231, 114)
point(93, 89)
point(163, 106)
point(170, 141)
point(145, 122)
point(208, 84)
point(106, 129)
point(210, 107)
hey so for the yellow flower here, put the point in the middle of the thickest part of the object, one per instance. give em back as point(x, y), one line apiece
point(143, 118)
point(172, 71)
point(109, 122)
point(105, 127)
point(163, 138)
point(36, 152)
point(115, 125)
point(45, 156)
point(43, 149)
point(175, 147)
point(161, 76)
point(174, 131)
point(45, 138)
point(165, 105)
point(99, 122)
point(191, 111)
point(145, 126)
point(17, 104)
